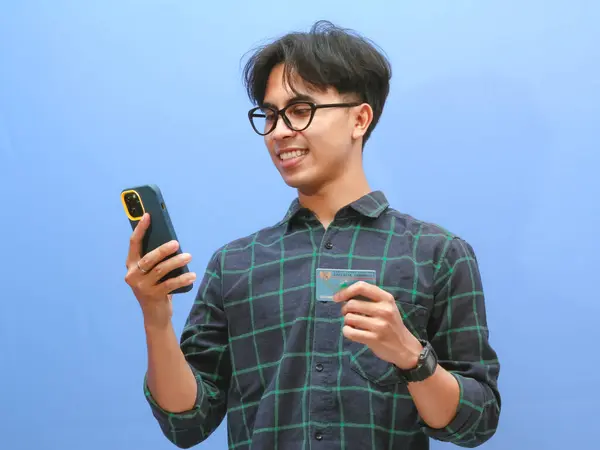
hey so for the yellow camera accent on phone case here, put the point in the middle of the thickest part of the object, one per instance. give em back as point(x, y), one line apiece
point(139, 198)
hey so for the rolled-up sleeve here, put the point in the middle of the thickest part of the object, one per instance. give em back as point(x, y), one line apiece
point(459, 334)
point(204, 343)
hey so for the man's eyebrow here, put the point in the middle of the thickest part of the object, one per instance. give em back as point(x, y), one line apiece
point(296, 98)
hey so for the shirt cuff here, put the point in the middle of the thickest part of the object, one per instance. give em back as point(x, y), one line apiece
point(179, 420)
point(468, 414)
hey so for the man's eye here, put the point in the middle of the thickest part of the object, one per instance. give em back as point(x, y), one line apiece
point(268, 115)
point(300, 111)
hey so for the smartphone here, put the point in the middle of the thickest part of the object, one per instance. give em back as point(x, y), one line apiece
point(148, 199)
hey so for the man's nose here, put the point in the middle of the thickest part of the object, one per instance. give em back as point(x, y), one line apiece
point(281, 130)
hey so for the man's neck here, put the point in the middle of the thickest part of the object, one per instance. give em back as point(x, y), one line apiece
point(332, 197)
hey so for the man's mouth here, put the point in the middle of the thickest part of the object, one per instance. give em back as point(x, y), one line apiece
point(291, 154)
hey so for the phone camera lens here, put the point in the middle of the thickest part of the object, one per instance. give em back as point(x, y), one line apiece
point(133, 205)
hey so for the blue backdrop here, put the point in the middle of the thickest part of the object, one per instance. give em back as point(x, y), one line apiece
point(494, 111)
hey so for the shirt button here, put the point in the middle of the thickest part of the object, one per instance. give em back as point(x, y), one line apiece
point(318, 436)
point(319, 367)
point(328, 245)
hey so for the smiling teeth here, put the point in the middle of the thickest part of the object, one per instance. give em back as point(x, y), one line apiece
point(293, 154)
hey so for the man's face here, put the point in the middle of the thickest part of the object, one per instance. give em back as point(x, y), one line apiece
point(310, 159)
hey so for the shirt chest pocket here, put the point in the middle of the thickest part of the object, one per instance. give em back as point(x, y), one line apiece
point(369, 366)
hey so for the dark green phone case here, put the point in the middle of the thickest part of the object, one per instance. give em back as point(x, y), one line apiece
point(161, 229)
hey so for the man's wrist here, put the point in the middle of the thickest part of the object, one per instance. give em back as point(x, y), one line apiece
point(157, 319)
point(153, 327)
point(411, 359)
point(424, 366)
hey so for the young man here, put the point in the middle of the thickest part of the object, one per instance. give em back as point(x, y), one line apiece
point(385, 363)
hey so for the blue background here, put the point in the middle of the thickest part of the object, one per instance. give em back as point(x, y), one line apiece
point(492, 129)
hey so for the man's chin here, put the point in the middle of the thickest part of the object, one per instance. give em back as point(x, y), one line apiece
point(303, 185)
point(292, 182)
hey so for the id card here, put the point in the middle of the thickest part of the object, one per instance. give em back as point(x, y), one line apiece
point(330, 281)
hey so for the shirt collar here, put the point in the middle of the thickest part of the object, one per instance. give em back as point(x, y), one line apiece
point(371, 205)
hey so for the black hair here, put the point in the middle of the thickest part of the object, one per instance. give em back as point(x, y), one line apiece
point(326, 56)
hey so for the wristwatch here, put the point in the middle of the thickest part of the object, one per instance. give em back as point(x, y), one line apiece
point(426, 365)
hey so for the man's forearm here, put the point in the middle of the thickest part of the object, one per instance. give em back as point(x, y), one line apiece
point(436, 398)
point(170, 378)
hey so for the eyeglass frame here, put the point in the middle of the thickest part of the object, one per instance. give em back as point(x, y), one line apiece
point(282, 112)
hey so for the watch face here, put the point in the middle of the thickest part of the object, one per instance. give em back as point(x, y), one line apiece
point(424, 354)
point(425, 367)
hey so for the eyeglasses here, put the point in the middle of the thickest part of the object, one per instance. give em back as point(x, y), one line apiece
point(297, 116)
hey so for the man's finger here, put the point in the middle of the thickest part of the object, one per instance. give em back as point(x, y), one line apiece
point(165, 267)
point(359, 322)
point(135, 241)
point(358, 289)
point(360, 336)
point(174, 283)
point(149, 261)
point(355, 306)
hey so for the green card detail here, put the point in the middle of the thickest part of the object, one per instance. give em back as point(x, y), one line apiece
point(330, 281)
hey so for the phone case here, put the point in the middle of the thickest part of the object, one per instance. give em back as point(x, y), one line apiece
point(161, 229)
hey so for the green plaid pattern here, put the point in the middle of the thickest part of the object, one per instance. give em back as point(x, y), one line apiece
point(275, 362)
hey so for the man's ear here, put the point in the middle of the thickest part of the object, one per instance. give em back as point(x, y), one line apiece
point(362, 117)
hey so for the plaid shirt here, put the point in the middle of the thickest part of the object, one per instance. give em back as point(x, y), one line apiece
point(274, 360)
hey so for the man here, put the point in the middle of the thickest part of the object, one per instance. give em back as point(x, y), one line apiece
point(385, 363)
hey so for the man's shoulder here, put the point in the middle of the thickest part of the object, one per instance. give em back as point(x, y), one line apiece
point(262, 237)
point(433, 237)
point(407, 223)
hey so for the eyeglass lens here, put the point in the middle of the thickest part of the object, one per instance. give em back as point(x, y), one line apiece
point(298, 115)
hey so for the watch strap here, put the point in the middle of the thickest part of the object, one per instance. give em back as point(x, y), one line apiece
point(426, 365)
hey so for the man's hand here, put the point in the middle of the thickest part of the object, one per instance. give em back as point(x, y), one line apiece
point(144, 275)
point(378, 324)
